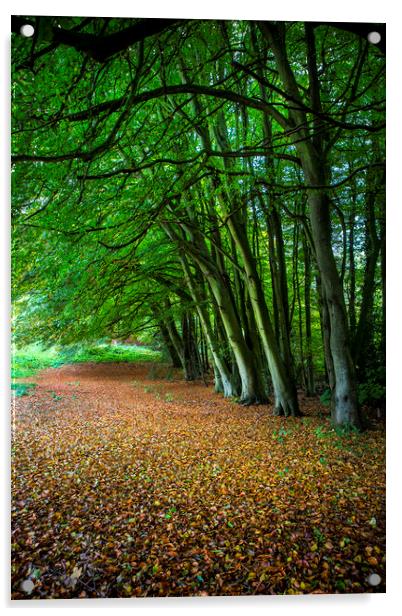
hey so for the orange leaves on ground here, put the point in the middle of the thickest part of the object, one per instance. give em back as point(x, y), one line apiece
point(164, 488)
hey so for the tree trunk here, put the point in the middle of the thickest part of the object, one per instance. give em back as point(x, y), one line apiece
point(252, 391)
point(284, 388)
point(363, 339)
point(174, 335)
point(325, 334)
point(345, 410)
point(310, 387)
point(192, 363)
point(352, 266)
point(174, 356)
point(222, 373)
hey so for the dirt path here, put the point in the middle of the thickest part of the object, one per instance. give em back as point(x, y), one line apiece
point(126, 485)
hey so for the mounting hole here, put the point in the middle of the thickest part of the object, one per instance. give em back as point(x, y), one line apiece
point(27, 586)
point(374, 37)
point(27, 30)
point(374, 579)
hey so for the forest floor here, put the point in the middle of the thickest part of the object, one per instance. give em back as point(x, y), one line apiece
point(127, 483)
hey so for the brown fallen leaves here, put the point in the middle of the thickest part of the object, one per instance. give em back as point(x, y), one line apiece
point(125, 487)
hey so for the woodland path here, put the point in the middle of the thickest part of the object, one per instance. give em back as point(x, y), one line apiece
point(128, 484)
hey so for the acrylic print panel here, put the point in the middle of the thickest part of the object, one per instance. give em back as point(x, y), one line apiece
point(198, 308)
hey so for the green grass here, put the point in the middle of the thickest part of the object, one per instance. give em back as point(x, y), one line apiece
point(29, 360)
point(119, 353)
point(21, 389)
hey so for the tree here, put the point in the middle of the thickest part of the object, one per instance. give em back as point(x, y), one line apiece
point(194, 178)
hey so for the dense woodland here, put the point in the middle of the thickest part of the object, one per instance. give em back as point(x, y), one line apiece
point(216, 187)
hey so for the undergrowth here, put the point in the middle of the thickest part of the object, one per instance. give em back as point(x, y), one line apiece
point(21, 389)
point(29, 360)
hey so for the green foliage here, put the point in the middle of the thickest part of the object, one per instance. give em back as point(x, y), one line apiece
point(340, 585)
point(170, 513)
point(325, 397)
point(22, 389)
point(115, 178)
point(174, 179)
point(333, 433)
point(169, 374)
point(318, 536)
point(346, 430)
point(56, 396)
point(115, 353)
point(280, 434)
point(29, 360)
point(370, 392)
point(322, 432)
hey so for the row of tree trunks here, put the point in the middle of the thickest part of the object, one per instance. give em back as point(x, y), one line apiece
point(183, 347)
point(223, 380)
point(243, 322)
point(345, 410)
point(280, 367)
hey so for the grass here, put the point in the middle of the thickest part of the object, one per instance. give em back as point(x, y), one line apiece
point(115, 353)
point(21, 389)
point(29, 360)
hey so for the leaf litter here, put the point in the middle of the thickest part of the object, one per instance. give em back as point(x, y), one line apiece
point(117, 492)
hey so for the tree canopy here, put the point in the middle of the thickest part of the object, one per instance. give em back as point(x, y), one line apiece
point(216, 185)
